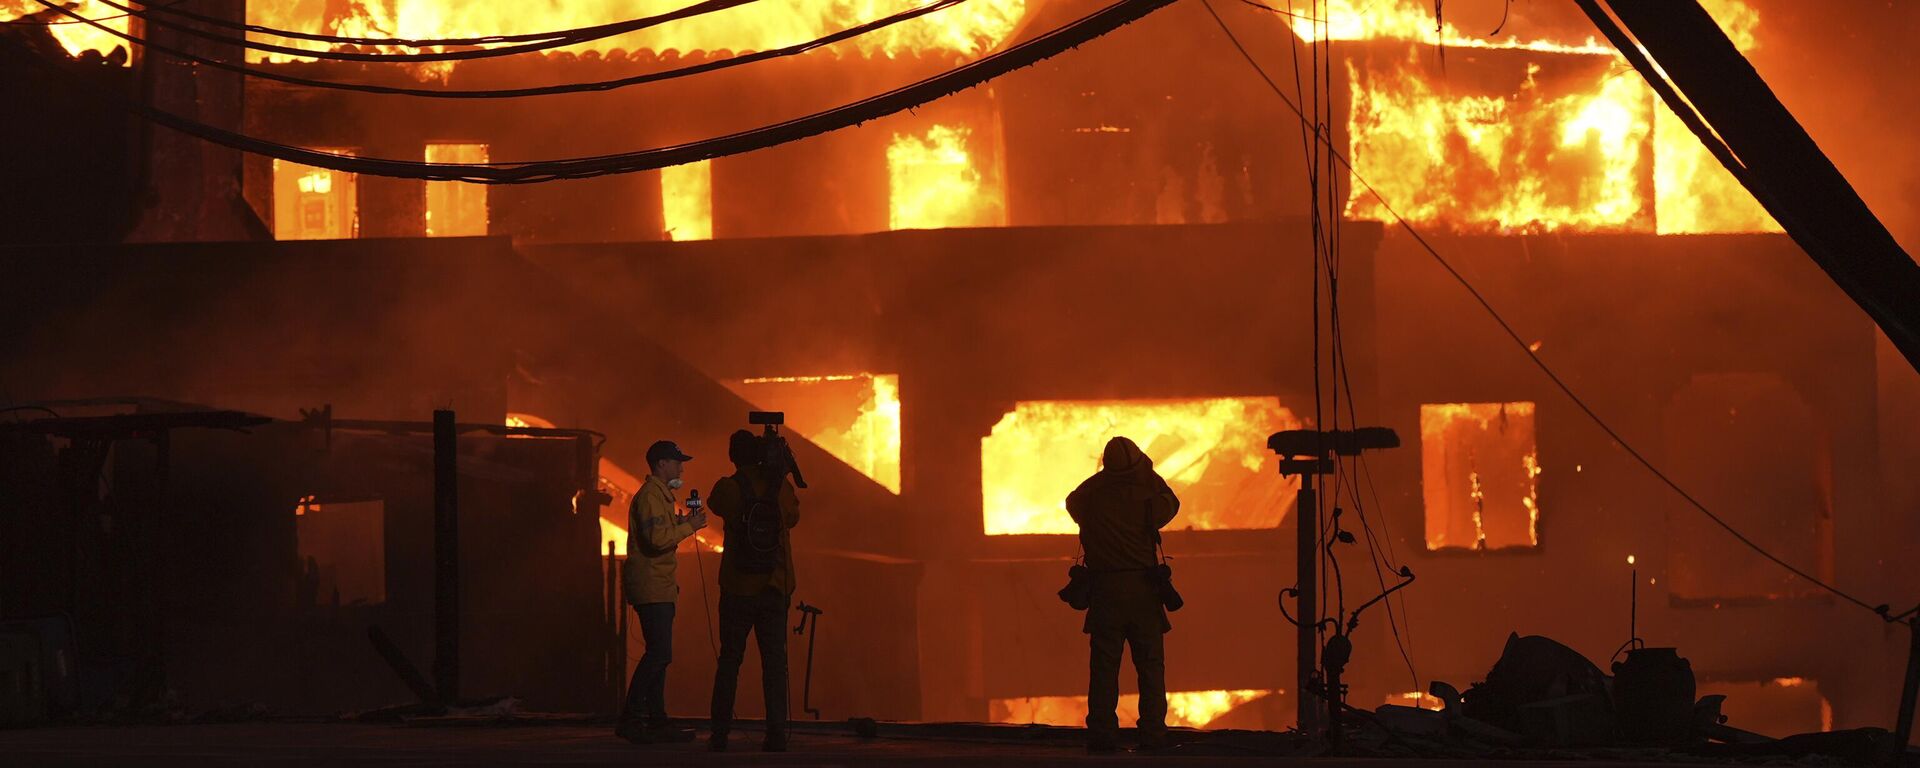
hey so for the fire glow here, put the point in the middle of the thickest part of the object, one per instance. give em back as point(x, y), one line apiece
point(968, 29)
point(1185, 709)
point(1211, 451)
point(853, 417)
point(1480, 475)
point(1526, 160)
point(935, 181)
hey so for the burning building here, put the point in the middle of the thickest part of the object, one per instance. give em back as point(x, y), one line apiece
point(957, 305)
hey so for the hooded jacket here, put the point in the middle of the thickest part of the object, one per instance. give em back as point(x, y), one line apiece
point(1121, 509)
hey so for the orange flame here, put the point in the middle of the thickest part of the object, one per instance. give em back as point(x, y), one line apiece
point(1185, 709)
point(75, 36)
point(1480, 475)
point(968, 29)
point(934, 183)
point(1211, 451)
point(686, 200)
point(863, 433)
point(1412, 21)
point(456, 209)
point(1526, 161)
point(1695, 194)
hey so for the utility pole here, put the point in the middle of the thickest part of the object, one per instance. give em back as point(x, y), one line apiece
point(1309, 454)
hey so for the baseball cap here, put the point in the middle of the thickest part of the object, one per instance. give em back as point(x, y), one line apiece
point(663, 450)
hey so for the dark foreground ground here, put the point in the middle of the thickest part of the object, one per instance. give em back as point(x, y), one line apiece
point(574, 743)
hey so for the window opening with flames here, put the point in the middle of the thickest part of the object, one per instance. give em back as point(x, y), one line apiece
point(1479, 475)
point(314, 203)
point(854, 417)
point(1212, 451)
point(686, 201)
point(1552, 137)
point(456, 209)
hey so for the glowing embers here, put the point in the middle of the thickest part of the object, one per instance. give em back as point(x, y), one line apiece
point(456, 208)
point(938, 180)
point(1418, 699)
point(1185, 709)
point(854, 417)
point(313, 203)
point(686, 200)
point(1211, 451)
point(969, 29)
point(1479, 471)
point(342, 549)
point(1565, 146)
point(74, 36)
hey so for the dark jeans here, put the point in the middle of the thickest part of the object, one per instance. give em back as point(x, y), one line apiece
point(1126, 611)
point(765, 615)
point(647, 691)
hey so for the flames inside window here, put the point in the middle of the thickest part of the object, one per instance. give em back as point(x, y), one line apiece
point(1479, 471)
point(1185, 709)
point(1213, 452)
point(686, 200)
point(941, 179)
point(1566, 146)
point(455, 208)
point(313, 203)
point(854, 417)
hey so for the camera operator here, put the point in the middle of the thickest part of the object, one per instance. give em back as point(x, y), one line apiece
point(654, 533)
point(758, 506)
point(1120, 511)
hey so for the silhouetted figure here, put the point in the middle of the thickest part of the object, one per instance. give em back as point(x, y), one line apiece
point(1120, 511)
point(756, 582)
point(654, 532)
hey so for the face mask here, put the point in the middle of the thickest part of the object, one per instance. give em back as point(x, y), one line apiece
point(674, 484)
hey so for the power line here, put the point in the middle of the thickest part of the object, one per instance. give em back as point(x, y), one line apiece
point(1618, 439)
point(28, 21)
point(579, 33)
point(541, 41)
point(548, 90)
point(1053, 42)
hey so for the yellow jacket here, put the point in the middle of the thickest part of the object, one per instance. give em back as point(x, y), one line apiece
point(654, 531)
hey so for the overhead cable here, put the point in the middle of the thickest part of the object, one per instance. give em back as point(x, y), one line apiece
point(713, 65)
point(611, 28)
point(463, 54)
point(1074, 34)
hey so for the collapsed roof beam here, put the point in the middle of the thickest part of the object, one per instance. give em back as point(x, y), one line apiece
point(1717, 92)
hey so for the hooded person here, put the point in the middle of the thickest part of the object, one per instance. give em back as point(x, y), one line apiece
point(1120, 511)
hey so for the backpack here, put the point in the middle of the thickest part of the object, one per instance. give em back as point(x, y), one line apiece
point(753, 535)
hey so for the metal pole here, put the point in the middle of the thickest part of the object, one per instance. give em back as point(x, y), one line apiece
point(806, 695)
point(616, 622)
point(446, 559)
point(1307, 515)
point(1903, 727)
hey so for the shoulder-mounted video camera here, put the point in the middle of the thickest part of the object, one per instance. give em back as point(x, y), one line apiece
point(778, 456)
